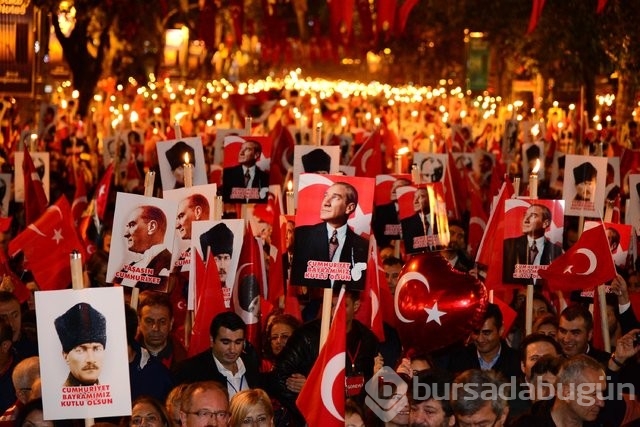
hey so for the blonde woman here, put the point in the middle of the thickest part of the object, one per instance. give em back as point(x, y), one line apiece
point(251, 408)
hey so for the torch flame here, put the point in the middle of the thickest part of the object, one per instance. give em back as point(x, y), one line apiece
point(536, 167)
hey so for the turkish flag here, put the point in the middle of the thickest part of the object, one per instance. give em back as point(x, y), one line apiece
point(102, 192)
point(370, 312)
point(282, 153)
point(10, 281)
point(493, 231)
point(490, 251)
point(455, 193)
point(248, 287)
point(276, 273)
point(508, 315)
point(587, 264)
point(601, 5)
point(368, 159)
point(536, 12)
point(209, 302)
point(477, 223)
point(403, 14)
point(80, 202)
point(47, 244)
point(257, 105)
point(327, 377)
point(35, 199)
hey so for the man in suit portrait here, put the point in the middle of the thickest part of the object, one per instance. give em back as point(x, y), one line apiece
point(532, 248)
point(195, 207)
point(246, 182)
point(144, 230)
point(431, 170)
point(83, 334)
point(176, 158)
point(219, 241)
point(386, 224)
point(417, 231)
point(331, 241)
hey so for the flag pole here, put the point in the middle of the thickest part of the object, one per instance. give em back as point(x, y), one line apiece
point(75, 260)
point(533, 195)
point(326, 315)
point(604, 322)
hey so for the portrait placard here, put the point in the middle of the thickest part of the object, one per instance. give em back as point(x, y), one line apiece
point(41, 163)
point(331, 234)
point(172, 156)
point(84, 364)
point(584, 184)
point(141, 254)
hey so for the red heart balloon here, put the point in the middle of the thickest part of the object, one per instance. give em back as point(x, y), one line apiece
point(436, 305)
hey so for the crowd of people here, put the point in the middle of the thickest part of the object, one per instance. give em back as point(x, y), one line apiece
point(556, 374)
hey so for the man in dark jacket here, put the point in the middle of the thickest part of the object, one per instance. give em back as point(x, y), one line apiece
point(230, 360)
point(297, 358)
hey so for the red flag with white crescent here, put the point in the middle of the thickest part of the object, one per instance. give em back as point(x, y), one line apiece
point(276, 273)
point(477, 223)
point(327, 377)
point(35, 199)
point(248, 285)
point(102, 192)
point(80, 197)
point(368, 159)
point(586, 264)
point(209, 302)
point(370, 311)
point(46, 245)
point(281, 154)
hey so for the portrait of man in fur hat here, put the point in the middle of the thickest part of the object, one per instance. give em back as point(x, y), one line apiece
point(83, 334)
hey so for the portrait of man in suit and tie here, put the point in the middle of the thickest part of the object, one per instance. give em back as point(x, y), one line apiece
point(532, 248)
point(246, 182)
point(386, 224)
point(144, 232)
point(329, 254)
point(420, 230)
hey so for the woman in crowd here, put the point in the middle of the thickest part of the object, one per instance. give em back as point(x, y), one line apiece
point(278, 331)
point(251, 408)
point(149, 412)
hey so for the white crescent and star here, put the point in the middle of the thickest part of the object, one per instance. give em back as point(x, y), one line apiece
point(434, 314)
point(593, 262)
point(412, 275)
point(375, 305)
point(329, 375)
point(365, 158)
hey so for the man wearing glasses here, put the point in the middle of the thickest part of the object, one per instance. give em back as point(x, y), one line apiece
point(205, 403)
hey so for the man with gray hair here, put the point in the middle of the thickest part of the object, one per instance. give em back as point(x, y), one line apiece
point(580, 385)
point(205, 403)
point(478, 400)
point(25, 376)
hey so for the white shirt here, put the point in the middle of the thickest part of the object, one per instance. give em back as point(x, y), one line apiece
point(235, 382)
point(342, 235)
point(252, 173)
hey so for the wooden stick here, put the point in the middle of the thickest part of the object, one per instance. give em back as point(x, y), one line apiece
point(327, 298)
point(77, 283)
point(602, 302)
